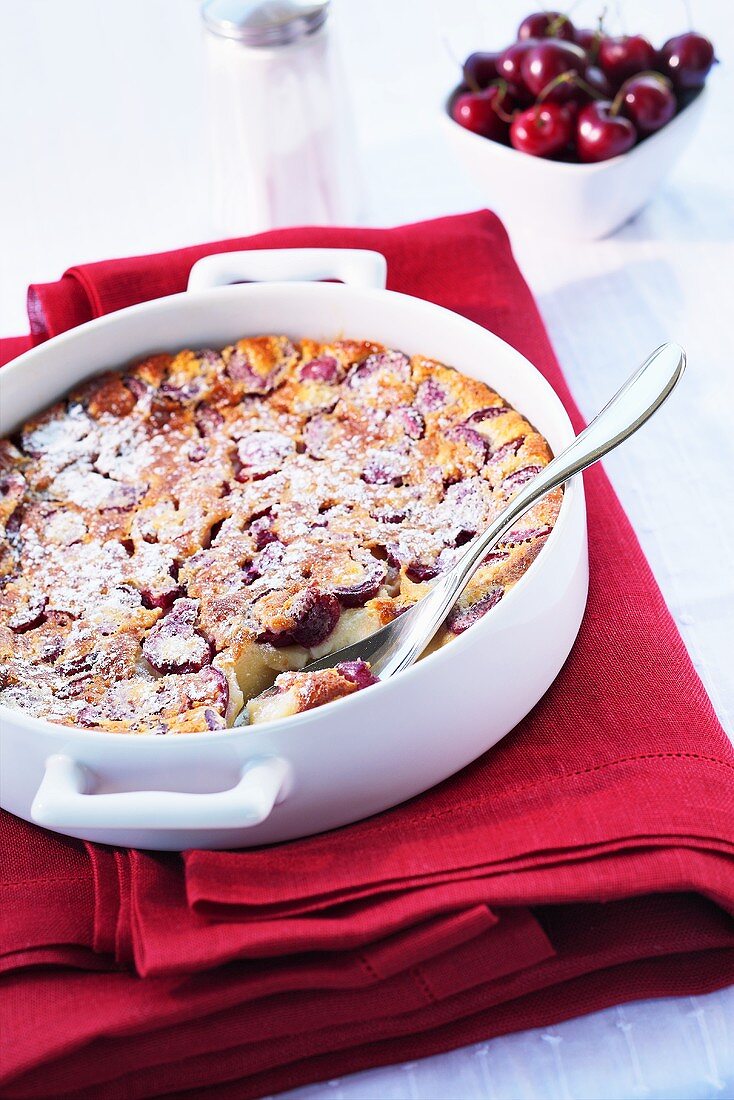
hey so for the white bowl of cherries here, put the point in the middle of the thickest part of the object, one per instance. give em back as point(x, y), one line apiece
point(569, 131)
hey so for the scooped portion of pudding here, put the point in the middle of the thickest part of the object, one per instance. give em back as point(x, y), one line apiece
point(294, 692)
point(181, 537)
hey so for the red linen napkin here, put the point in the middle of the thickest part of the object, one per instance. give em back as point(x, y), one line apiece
point(408, 933)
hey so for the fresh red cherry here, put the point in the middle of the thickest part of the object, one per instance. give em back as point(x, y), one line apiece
point(601, 135)
point(648, 101)
point(546, 60)
point(480, 69)
point(686, 60)
point(596, 79)
point(508, 66)
point(546, 23)
point(623, 57)
point(481, 112)
point(572, 108)
point(542, 130)
point(587, 39)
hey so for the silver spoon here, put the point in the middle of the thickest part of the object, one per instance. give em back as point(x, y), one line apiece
point(400, 643)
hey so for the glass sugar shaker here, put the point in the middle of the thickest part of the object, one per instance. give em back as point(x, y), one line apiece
point(283, 151)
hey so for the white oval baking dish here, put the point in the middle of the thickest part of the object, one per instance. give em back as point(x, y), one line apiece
point(362, 754)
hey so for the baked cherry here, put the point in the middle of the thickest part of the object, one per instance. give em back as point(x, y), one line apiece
point(410, 421)
point(319, 614)
point(420, 571)
point(517, 535)
point(207, 419)
point(213, 720)
point(210, 684)
point(385, 467)
point(430, 396)
point(687, 59)
point(546, 60)
point(30, 616)
point(520, 477)
point(542, 24)
point(162, 591)
point(262, 453)
point(357, 590)
point(480, 69)
point(318, 435)
point(624, 56)
point(507, 450)
point(358, 673)
point(491, 412)
point(262, 531)
point(648, 101)
point(12, 490)
point(325, 369)
point(482, 112)
point(313, 615)
point(601, 135)
point(395, 362)
point(174, 644)
point(138, 388)
point(541, 131)
point(470, 438)
point(240, 370)
point(461, 618)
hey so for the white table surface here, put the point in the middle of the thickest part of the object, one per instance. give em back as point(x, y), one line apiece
point(103, 153)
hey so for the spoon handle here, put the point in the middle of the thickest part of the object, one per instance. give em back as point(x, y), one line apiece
point(641, 395)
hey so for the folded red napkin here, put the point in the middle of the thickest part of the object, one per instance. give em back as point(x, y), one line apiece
point(586, 860)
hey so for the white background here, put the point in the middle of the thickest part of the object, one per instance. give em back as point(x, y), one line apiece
point(104, 152)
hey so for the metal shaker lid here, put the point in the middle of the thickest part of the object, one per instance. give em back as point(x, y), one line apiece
point(264, 22)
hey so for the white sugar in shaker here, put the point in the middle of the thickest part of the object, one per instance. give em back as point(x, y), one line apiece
point(283, 152)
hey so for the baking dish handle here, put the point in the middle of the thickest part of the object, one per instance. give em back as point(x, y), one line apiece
point(357, 267)
point(66, 800)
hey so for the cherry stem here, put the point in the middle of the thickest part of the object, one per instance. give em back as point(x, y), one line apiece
point(660, 77)
point(569, 77)
point(689, 13)
point(501, 86)
point(562, 78)
point(555, 25)
point(617, 102)
point(449, 50)
point(598, 35)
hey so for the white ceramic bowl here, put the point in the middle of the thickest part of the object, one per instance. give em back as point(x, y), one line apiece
point(572, 201)
point(359, 755)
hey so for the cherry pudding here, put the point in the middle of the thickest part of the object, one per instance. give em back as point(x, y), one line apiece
point(178, 539)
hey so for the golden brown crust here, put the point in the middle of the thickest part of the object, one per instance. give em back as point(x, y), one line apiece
point(254, 507)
